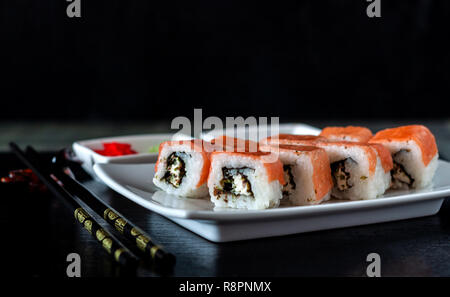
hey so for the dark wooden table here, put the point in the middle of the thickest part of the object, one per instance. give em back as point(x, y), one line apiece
point(41, 233)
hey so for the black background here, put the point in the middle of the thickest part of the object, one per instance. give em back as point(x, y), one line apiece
point(154, 60)
point(160, 59)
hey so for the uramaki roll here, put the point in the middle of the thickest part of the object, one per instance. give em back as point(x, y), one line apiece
point(245, 180)
point(182, 168)
point(349, 133)
point(307, 173)
point(292, 139)
point(414, 153)
point(360, 171)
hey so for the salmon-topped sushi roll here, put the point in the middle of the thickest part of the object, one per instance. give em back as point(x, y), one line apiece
point(307, 173)
point(292, 139)
point(414, 153)
point(182, 168)
point(359, 171)
point(349, 133)
point(245, 180)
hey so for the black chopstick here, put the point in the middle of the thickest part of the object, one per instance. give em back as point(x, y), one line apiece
point(147, 248)
point(112, 245)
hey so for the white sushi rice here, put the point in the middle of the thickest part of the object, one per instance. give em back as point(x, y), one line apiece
point(193, 167)
point(265, 194)
point(363, 185)
point(411, 160)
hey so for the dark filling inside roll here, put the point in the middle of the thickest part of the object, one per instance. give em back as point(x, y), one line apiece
point(341, 177)
point(235, 182)
point(176, 169)
point(289, 186)
point(399, 176)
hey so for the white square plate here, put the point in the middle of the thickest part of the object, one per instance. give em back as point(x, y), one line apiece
point(134, 181)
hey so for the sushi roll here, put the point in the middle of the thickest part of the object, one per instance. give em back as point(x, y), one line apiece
point(359, 171)
point(307, 173)
point(182, 168)
point(291, 139)
point(414, 153)
point(349, 133)
point(244, 180)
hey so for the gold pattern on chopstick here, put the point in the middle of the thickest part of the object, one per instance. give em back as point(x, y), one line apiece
point(101, 234)
point(141, 242)
point(153, 250)
point(81, 215)
point(120, 224)
point(112, 215)
point(135, 232)
point(107, 244)
point(105, 213)
point(117, 254)
point(75, 213)
point(88, 225)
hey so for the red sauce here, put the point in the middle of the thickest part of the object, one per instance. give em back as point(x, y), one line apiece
point(114, 149)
